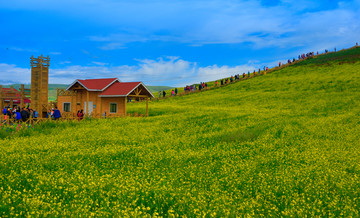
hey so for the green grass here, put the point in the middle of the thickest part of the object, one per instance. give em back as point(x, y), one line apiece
point(283, 144)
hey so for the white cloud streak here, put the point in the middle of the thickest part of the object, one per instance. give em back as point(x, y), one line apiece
point(162, 71)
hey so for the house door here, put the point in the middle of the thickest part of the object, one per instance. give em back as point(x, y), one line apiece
point(91, 106)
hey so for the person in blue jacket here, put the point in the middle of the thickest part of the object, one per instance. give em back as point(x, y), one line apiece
point(18, 115)
point(56, 114)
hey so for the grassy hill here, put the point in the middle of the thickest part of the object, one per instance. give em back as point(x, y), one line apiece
point(283, 144)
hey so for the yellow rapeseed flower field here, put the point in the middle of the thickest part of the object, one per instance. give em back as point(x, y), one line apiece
point(283, 144)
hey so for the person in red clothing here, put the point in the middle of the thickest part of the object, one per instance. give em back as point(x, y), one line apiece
point(80, 114)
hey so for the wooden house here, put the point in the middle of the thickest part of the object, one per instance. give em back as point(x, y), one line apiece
point(12, 97)
point(96, 96)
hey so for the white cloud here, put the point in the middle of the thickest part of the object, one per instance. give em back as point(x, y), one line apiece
point(100, 63)
point(55, 53)
point(11, 74)
point(171, 71)
point(22, 49)
point(64, 62)
point(112, 46)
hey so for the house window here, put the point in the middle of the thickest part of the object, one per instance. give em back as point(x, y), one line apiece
point(67, 107)
point(113, 107)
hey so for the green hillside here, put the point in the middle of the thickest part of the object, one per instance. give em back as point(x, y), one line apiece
point(283, 144)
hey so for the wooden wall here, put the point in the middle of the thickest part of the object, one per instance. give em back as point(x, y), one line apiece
point(99, 104)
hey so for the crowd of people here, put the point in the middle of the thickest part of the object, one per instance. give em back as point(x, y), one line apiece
point(204, 85)
point(16, 114)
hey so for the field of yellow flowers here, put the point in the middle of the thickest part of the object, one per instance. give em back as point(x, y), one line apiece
point(283, 144)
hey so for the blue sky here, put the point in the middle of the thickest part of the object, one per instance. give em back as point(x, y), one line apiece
point(167, 42)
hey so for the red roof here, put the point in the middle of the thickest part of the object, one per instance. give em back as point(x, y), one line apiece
point(109, 87)
point(120, 88)
point(95, 84)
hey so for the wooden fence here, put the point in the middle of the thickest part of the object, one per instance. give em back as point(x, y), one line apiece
point(65, 117)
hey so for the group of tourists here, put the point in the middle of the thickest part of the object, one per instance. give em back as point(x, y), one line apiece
point(53, 113)
point(190, 88)
point(16, 114)
point(203, 85)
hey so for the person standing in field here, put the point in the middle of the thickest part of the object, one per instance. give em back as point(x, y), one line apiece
point(159, 94)
point(35, 114)
point(80, 114)
point(8, 114)
point(164, 94)
point(18, 115)
point(176, 91)
point(57, 114)
point(24, 115)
